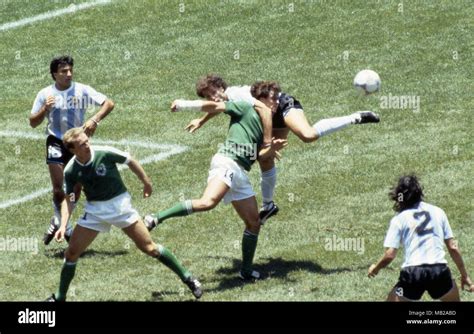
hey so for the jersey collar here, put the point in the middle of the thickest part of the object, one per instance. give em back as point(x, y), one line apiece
point(89, 162)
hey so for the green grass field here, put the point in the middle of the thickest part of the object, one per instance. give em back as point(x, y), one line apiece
point(144, 54)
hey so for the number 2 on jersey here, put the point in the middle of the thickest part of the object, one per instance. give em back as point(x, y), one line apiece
point(421, 229)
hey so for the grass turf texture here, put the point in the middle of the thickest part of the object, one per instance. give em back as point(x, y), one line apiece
point(143, 54)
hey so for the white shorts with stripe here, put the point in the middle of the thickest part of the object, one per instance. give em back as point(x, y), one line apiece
point(232, 174)
point(101, 215)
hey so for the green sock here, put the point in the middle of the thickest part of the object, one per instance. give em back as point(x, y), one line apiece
point(249, 244)
point(67, 274)
point(169, 260)
point(181, 209)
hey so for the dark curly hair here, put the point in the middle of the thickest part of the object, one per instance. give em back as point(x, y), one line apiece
point(61, 60)
point(262, 89)
point(407, 193)
point(209, 81)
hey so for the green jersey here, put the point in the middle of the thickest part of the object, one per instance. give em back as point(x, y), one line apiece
point(245, 134)
point(100, 178)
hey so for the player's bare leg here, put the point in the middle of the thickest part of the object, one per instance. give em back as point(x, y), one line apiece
point(452, 295)
point(56, 172)
point(248, 212)
point(213, 194)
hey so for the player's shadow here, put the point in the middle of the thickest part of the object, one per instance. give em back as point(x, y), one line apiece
point(59, 253)
point(273, 268)
point(182, 296)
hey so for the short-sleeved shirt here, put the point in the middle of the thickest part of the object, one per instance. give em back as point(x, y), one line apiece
point(70, 107)
point(240, 93)
point(422, 231)
point(245, 134)
point(100, 177)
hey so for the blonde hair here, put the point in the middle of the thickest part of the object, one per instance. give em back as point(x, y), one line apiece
point(70, 137)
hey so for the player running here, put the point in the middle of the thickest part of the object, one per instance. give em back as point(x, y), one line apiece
point(108, 203)
point(288, 116)
point(228, 179)
point(422, 228)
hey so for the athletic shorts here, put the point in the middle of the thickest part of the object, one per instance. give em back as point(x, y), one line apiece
point(56, 153)
point(101, 215)
point(232, 174)
point(285, 104)
point(415, 280)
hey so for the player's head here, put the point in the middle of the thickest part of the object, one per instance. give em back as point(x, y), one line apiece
point(267, 92)
point(406, 193)
point(211, 87)
point(61, 69)
point(76, 141)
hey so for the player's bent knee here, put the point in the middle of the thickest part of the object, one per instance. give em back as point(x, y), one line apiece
point(208, 203)
point(71, 255)
point(308, 136)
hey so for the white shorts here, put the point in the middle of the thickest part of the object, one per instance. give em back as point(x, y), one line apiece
point(232, 174)
point(101, 215)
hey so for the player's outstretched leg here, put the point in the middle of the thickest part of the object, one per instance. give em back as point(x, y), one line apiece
point(213, 194)
point(140, 235)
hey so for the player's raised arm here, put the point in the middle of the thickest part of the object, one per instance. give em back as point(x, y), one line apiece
point(91, 124)
point(198, 105)
point(138, 170)
point(40, 111)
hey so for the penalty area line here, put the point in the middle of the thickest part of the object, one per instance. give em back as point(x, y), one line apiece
point(171, 149)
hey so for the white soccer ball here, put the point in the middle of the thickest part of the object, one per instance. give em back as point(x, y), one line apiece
point(367, 82)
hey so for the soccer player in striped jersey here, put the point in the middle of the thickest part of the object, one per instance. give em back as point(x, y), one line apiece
point(288, 116)
point(423, 229)
point(108, 203)
point(228, 179)
point(64, 105)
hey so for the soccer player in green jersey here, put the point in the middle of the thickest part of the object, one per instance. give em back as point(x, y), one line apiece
point(108, 203)
point(228, 179)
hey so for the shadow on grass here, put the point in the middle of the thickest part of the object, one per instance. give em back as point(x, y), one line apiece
point(277, 268)
point(158, 296)
point(59, 253)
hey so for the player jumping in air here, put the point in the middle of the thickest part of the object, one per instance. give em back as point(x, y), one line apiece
point(288, 116)
point(228, 179)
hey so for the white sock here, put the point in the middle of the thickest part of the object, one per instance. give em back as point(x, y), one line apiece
point(268, 183)
point(330, 125)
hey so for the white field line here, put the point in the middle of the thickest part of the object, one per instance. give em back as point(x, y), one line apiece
point(170, 149)
point(54, 13)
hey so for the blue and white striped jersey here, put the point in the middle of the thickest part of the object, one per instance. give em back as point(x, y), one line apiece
point(422, 231)
point(70, 107)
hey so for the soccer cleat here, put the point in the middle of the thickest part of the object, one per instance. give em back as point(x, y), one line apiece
point(267, 211)
point(151, 221)
point(253, 276)
point(363, 117)
point(51, 298)
point(53, 227)
point(195, 286)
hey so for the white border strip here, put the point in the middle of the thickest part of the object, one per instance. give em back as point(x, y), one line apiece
point(171, 149)
point(54, 13)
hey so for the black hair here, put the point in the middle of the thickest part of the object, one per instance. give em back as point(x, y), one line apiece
point(407, 193)
point(61, 60)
